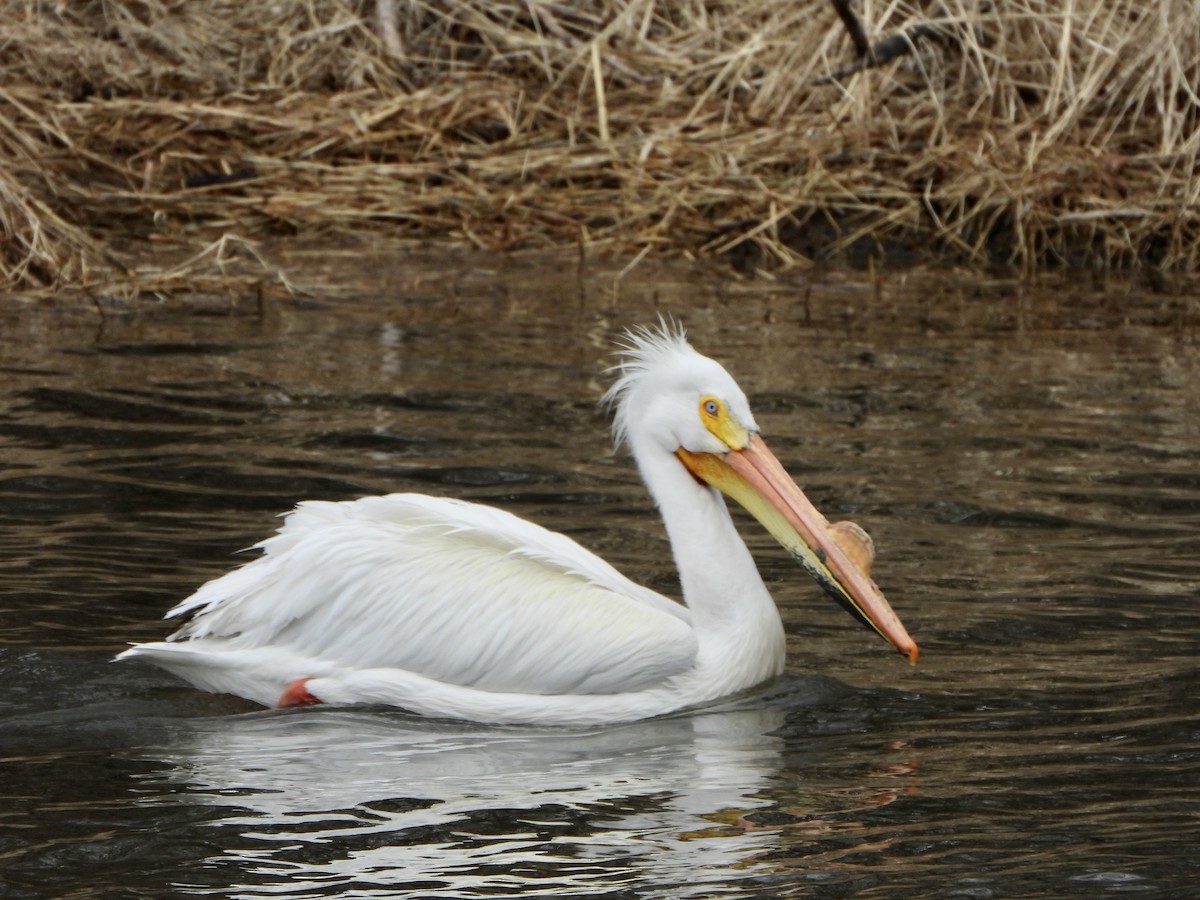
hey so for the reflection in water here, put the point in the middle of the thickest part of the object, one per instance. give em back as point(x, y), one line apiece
point(336, 800)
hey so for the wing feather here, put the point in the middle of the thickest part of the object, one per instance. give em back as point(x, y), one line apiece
point(458, 592)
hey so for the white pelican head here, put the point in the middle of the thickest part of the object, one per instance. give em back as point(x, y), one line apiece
point(672, 401)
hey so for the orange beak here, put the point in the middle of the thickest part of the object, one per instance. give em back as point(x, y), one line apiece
point(837, 556)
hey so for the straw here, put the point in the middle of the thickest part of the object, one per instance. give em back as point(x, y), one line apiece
point(1021, 134)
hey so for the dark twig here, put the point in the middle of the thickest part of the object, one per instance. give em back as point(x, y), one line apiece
point(858, 34)
point(870, 57)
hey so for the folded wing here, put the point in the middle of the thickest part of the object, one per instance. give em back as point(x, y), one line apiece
point(457, 592)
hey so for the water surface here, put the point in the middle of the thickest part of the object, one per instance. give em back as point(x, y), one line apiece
point(1027, 460)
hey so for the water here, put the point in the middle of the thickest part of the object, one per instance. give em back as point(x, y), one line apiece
point(1027, 461)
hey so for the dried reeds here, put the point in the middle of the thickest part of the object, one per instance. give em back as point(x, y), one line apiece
point(1022, 133)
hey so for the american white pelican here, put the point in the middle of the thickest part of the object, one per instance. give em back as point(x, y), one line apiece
point(453, 609)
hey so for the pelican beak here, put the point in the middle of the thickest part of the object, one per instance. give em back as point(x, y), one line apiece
point(837, 556)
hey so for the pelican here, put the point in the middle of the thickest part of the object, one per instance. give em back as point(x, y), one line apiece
point(456, 610)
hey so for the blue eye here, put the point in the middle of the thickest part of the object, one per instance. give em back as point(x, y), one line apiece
point(711, 407)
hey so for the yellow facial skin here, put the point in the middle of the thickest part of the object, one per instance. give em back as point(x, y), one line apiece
point(716, 418)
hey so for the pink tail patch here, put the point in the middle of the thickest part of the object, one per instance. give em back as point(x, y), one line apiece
point(296, 694)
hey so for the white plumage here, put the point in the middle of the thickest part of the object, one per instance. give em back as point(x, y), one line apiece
point(449, 608)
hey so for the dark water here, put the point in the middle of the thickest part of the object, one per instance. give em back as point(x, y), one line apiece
point(1027, 461)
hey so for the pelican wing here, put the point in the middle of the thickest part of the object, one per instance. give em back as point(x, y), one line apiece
point(460, 593)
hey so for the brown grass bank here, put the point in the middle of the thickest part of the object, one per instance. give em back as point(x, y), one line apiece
point(1023, 133)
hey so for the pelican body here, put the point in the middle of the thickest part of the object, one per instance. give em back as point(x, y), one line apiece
point(457, 610)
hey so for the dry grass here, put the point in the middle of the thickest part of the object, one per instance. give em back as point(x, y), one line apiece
point(1023, 133)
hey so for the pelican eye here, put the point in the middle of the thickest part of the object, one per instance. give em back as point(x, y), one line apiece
point(719, 422)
